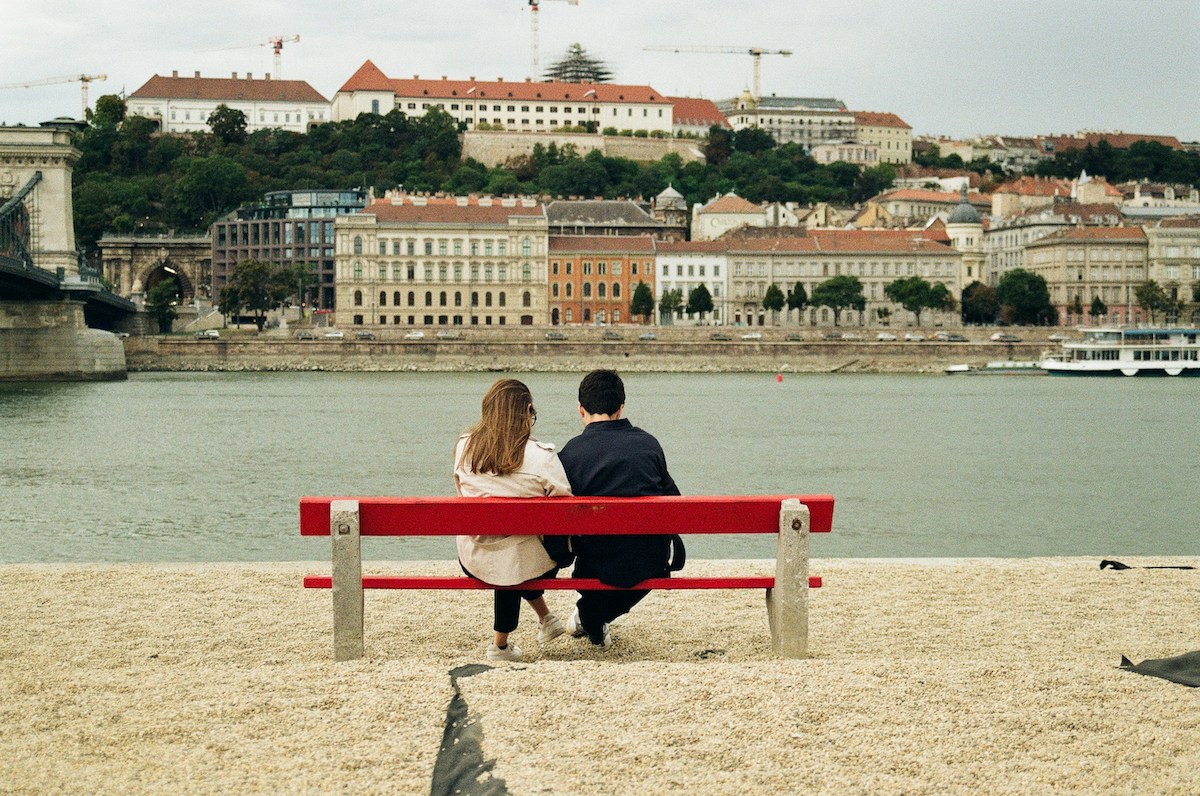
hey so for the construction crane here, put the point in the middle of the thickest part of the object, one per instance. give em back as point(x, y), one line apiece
point(756, 52)
point(83, 81)
point(275, 43)
point(533, 34)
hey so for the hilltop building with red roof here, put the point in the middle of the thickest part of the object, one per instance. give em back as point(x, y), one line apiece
point(887, 131)
point(694, 116)
point(183, 104)
point(508, 105)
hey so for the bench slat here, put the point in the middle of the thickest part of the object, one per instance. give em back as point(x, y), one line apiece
point(551, 584)
point(582, 516)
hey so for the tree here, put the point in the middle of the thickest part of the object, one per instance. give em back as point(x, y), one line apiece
point(160, 302)
point(979, 304)
point(1023, 297)
point(670, 302)
point(228, 124)
point(840, 293)
point(642, 302)
point(773, 300)
point(1151, 297)
point(752, 140)
point(699, 301)
point(913, 293)
point(719, 146)
point(1099, 308)
point(110, 111)
point(257, 287)
point(209, 186)
point(1077, 305)
point(576, 66)
point(797, 299)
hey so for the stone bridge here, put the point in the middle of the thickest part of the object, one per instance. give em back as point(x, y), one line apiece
point(48, 303)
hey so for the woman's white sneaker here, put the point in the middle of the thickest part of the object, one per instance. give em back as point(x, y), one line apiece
point(511, 652)
point(550, 627)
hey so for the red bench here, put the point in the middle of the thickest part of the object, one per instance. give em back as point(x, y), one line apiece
point(792, 518)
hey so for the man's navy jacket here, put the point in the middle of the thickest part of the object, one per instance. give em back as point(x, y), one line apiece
point(613, 458)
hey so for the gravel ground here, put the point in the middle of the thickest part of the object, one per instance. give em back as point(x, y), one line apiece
point(938, 676)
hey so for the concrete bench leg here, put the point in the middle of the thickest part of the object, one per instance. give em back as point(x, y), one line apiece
point(347, 580)
point(787, 603)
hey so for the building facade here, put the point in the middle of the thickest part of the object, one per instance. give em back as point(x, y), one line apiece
point(1006, 239)
point(910, 205)
point(693, 116)
point(724, 213)
point(601, 217)
point(592, 277)
point(183, 104)
point(875, 257)
point(1083, 263)
point(686, 265)
point(287, 228)
point(865, 155)
point(441, 262)
point(806, 121)
point(1173, 249)
point(888, 132)
point(507, 105)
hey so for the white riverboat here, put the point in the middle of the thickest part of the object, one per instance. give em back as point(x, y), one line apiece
point(1129, 352)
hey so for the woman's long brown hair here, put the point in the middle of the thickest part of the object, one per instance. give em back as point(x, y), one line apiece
point(497, 442)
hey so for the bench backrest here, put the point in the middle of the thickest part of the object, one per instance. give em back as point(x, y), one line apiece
point(450, 516)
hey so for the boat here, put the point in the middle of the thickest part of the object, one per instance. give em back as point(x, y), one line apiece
point(1014, 367)
point(1128, 352)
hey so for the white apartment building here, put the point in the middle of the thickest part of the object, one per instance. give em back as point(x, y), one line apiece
point(806, 121)
point(499, 104)
point(686, 265)
point(886, 131)
point(445, 262)
point(183, 104)
point(865, 155)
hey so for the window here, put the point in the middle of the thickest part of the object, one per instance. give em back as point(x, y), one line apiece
point(358, 298)
point(458, 247)
point(383, 273)
point(383, 298)
point(587, 289)
point(526, 299)
point(396, 299)
point(503, 296)
point(569, 290)
point(428, 298)
point(357, 271)
point(442, 299)
point(525, 247)
point(458, 298)
point(429, 247)
point(412, 299)
point(616, 293)
point(487, 299)
point(358, 249)
point(487, 248)
point(600, 290)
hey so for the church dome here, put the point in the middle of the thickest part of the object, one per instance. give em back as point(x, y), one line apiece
point(964, 213)
point(670, 198)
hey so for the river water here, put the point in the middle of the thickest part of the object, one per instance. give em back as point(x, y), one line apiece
point(209, 467)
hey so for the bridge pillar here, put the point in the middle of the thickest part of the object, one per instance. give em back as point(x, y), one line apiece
point(49, 341)
point(25, 151)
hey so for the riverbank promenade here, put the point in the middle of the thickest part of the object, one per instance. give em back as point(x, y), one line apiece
point(927, 676)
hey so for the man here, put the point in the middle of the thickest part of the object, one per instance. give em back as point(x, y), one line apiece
point(613, 458)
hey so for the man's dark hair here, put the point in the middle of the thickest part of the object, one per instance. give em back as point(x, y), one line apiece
point(601, 392)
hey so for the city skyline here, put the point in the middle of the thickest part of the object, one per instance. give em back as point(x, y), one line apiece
point(956, 69)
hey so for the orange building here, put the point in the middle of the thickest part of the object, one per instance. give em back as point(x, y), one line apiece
point(592, 278)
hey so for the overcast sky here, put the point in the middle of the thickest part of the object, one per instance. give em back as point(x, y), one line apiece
point(950, 67)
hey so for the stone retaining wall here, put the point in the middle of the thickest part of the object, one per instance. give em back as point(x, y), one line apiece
point(531, 355)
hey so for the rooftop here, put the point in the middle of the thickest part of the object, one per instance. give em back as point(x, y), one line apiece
point(227, 88)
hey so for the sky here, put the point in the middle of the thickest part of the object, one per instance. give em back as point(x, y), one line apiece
point(947, 67)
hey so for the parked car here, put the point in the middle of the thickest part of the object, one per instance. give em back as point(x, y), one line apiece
point(914, 337)
point(1005, 337)
point(414, 334)
point(449, 334)
point(719, 336)
point(956, 338)
point(646, 336)
point(851, 336)
point(336, 334)
point(207, 334)
point(363, 334)
point(609, 334)
point(793, 337)
point(752, 336)
point(1058, 337)
point(555, 336)
point(306, 334)
point(831, 336)
point(885, 337)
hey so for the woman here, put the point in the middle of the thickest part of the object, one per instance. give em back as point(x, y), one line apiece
point(497, 457)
